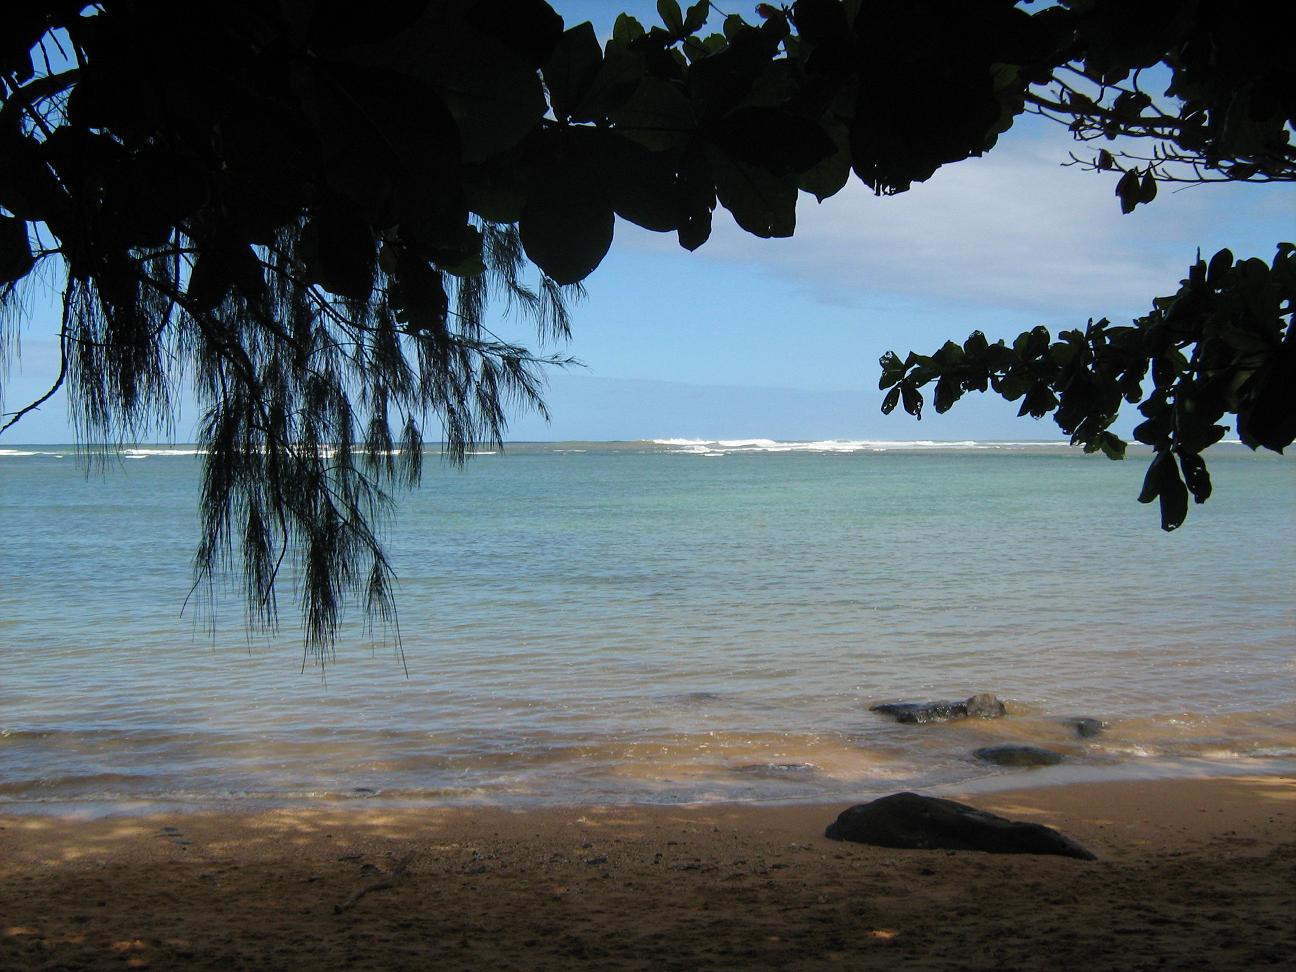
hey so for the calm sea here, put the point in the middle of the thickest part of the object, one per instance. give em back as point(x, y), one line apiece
point(663, 622)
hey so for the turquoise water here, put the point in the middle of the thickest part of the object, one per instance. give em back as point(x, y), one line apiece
point(676, 621)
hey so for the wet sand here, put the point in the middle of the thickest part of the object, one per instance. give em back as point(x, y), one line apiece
point(1191, 873)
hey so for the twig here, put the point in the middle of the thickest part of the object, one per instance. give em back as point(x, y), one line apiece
point(381, 883)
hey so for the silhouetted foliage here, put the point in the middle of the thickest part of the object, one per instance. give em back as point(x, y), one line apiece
point(305, 207)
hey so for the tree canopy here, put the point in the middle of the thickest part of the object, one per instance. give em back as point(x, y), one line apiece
point(304, 208)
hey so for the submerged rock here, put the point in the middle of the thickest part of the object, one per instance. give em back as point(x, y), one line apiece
point(1086, 728)
point(981, 706)
point(1012, 754)
point(911, 820)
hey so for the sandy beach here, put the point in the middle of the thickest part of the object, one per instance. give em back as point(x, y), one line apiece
point(1197, 873)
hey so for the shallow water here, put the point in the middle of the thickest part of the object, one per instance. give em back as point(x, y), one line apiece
point(675, 621)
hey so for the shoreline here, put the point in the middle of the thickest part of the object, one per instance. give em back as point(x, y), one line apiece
point(1190, 871)
point(1144, 770)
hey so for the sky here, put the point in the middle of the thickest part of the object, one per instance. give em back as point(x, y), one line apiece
point(780, 338)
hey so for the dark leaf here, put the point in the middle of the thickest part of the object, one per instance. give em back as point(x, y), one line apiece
point(389, 143)
point(640, 184)
point(344, 250)
point(773, 139)
point(696, 16)
point(889, 402)
point(612, 87)
point(893, 370)
point(829, 176)
point(15, 250)
point(1220, 264)
point(528, 28)
point(336, 25)
point(626, 29)
point(1147, 187)
point(493, 93)
point(913, 400)
point(222, 266)
point(697, 195)
point(570, 71)
point(1039, 401)
point(1196, 475)
point(418, 294)
point(28, 189)
point(672, 16)
point(947, 393)
point(658, 115)
point(1269, 420)
point(1162, 480)
point(1129, 191)
point(1112, 446)
point(762, 204)
point(821, 22)
point(1155, 431)
point(567, 224)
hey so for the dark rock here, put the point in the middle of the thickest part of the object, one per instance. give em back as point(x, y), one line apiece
point(910, 820)
point(1086, 728)
point(982, 706)
point(1018, 755)
point(922, 712)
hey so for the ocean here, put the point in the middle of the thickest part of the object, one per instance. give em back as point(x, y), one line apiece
point(665, 622)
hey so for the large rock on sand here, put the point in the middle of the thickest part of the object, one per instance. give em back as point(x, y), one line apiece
point(1015, 754)
point(980, 706)
point(910, 820)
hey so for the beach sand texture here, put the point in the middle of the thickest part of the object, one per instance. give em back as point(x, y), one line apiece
point(1192, 873)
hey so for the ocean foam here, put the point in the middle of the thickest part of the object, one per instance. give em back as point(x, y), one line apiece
point(713, 447)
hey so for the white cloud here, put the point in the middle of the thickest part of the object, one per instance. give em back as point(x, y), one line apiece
point(1013, 229)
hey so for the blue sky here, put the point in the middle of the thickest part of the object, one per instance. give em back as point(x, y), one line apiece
point(780, 338)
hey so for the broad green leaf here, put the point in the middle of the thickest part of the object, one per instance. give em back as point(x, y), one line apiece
point(890, 401)
point(658, 115)
point(696, 16)
point(672, 16)
point(626, 29)
point(641, 185)
point(1112, 446)
point(762, 204)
